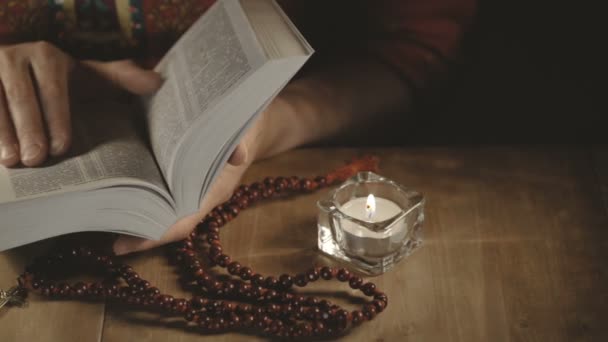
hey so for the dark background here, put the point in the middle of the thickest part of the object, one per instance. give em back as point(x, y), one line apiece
point(531, 72)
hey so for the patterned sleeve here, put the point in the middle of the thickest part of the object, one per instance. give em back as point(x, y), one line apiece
point(100, 29)
point(418, 38)
point(23, 20)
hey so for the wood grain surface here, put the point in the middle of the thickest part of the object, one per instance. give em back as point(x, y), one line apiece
point(516, 249)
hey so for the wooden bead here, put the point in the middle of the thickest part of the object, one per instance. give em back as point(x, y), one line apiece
point(198, 302)
point(248, 320)
point(342, 315)
point(286, 281)
point(215, 249)
point(234, 210)
point(213, 230)
point(244, 308)
point(271, 282)
point(357, 317)
point(318, 328)
point(355, 282)
point(326, 273)
point(191, 316)
point(256, 186)
point(211, 238)
point(285, 297)
point(312, 274)
point(306, 184)
point(312, 301)
point(368, 289)
point(381, 296)
point(243, 202)
point(246, 273)
point(301, 280)
point(224, 260)
point(279, 188)
point(254, 196)
point(369, 311)
point(379, 305)
point(269, 192)
point(257, 279)
point(271, 295)
point(321, 181)
point(325, 305)
point(343, 275)
point(295, 183)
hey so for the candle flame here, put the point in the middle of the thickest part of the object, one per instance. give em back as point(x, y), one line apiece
point(370, 206)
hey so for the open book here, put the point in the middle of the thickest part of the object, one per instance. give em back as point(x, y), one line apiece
point(137, 169)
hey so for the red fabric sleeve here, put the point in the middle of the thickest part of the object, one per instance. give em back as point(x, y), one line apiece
point(418, 37)
point(415, 37)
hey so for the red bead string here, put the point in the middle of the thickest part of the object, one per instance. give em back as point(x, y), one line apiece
point(247, 301)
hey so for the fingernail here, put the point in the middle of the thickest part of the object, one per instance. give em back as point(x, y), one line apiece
point(57, 147)
point(30, 152)
point(7, 153)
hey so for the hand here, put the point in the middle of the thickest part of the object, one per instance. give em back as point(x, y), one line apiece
point(220, 191)
point(34, 98)
point(276, 130)
point(319, 106)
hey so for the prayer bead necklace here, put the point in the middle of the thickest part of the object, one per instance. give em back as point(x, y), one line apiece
point(247, 301)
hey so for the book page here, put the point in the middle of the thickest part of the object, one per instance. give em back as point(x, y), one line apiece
point(198, 71)
point(107, 150)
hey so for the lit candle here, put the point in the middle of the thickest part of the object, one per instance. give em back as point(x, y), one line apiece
point(370, 222)
point(372, 209)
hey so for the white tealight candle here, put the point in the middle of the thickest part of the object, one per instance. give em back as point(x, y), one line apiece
point(371, 209)
point(370, 233)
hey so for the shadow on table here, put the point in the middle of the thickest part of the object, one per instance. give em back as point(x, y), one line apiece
point(15, 260)
point(152, 320)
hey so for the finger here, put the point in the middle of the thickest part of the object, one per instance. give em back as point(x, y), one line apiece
point(9, 149)
point(25, 112)
point(51, 75)
point(220, 191)
point(130, 244)
point(126, 75)
point(239, 155)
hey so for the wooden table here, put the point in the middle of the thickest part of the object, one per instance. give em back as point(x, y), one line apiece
point(516, 249)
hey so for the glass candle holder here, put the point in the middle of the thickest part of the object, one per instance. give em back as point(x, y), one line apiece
point(370, 222)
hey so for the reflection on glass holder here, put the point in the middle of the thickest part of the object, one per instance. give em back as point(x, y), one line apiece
point(370, 236)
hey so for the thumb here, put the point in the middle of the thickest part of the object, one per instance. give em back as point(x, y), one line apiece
point(180, 230)
point(126, 75)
